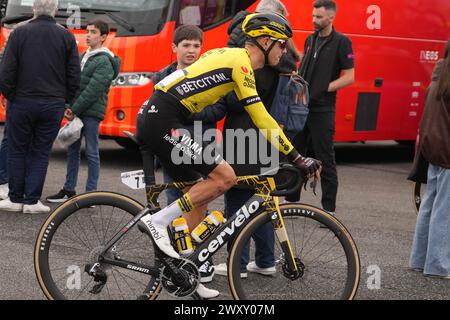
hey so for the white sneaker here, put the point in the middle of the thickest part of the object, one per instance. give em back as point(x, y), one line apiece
point(160, 236)
point(252, 267)
point(7, 205)
point(206, 293)
point(222, 270)
point(35, 208)
point(4, 191)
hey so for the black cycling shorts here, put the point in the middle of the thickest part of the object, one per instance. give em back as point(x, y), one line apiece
point(160, 127)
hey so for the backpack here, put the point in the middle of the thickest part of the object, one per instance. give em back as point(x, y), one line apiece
point(290, 105)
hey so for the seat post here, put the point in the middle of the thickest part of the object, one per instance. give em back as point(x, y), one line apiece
point(148, 163)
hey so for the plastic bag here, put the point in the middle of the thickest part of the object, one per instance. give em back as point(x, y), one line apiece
point(70, 133)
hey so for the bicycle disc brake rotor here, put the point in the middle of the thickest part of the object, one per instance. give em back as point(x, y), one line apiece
point(187, 284)
point(294, 275)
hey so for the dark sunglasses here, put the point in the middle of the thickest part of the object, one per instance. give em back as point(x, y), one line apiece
point(282, 43)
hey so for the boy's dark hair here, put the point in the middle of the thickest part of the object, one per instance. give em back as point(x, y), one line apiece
point(100, 25)
point(187, 32)
point(328, 4)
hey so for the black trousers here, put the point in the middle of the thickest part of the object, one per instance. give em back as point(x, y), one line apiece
point(317, 141)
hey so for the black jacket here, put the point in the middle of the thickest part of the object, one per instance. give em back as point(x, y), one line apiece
point(41, 60)
point(333, 55)
point(236, 35)
point(238, 119)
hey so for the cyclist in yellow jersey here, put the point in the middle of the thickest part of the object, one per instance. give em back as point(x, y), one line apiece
point(190, 90)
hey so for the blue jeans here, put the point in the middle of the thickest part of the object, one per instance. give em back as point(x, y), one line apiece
point(90, 134)
point(431, 245)
point(264, 237)
point(4, 153)
point(33, 124)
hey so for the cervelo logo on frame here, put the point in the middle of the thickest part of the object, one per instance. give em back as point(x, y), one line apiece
point(242, 215)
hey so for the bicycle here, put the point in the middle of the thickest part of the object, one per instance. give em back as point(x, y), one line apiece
point(78, 256)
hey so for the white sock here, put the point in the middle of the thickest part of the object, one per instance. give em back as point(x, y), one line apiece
point(176, 209)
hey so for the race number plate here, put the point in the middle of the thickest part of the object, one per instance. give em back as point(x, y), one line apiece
point(133, 179)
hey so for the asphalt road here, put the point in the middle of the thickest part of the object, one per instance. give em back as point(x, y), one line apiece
point(374, 203)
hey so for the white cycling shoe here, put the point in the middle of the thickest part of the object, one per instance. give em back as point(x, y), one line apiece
point(161, 237)
point(206, 293)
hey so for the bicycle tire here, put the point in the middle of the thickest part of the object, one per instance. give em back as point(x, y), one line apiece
point(50, 249)
point(349, 267)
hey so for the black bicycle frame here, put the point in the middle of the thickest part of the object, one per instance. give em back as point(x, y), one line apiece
point(228, 230)
point(217, 240)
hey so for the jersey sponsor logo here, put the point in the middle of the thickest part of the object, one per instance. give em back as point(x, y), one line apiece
point(202, 84)
point(283, 144)
point(250, 100)
point(249, 83)
point(191, 144)
point(174, 133)
point(153, 109)
point(244, 69)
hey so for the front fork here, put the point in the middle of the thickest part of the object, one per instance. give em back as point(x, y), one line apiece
point(281, 233)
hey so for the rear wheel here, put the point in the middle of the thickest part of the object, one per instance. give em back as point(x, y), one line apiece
point(324, 250)
point(74, 235)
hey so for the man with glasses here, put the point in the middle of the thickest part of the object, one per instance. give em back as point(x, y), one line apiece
point(190, 90)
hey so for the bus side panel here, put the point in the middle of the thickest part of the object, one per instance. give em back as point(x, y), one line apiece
point(393, 65)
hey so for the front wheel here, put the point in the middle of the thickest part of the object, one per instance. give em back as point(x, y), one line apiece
point(324, 250)
point(74, 235)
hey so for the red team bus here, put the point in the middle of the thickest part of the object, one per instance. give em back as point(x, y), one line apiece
point(396, 45)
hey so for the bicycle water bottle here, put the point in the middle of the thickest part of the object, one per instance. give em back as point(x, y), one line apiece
point(207, 226)
point(182, 237)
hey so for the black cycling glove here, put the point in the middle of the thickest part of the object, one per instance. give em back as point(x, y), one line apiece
point(308, 166)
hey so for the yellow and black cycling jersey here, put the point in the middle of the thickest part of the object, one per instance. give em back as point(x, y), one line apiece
point(212, 77)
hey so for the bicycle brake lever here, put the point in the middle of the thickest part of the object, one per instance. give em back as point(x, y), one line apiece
point(313, 185)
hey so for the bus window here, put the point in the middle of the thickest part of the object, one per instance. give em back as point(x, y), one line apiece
point(208, 13)
point(127, 17)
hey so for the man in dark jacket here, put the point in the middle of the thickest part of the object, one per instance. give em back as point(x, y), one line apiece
point(431, 247)
point(99, 68)
point(328, 65)
point(39, 75)
point(4, 178)
point(251, 161)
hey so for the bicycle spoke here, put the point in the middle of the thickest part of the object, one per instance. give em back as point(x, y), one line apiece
point(316, 244)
